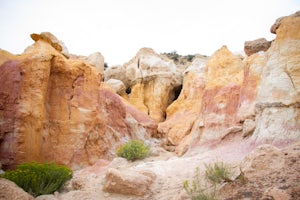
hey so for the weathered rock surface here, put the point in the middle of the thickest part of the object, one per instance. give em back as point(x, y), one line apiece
point(277, 23)
point(117, 72)
point(278, 99)
point(118, 86)
point(55, 109)
point(182, 113)
point(254, 46)
point(151, 81)
point(53, 41)
point(248, 127)
point(128, 182)
point(5, 56)
point(276, 194)
point(268, 173)
point(96, 60)
point(58, 109)
point(216, 89)
point(263, 159)
point(253, 67)
point(224, 78)
point(211, 95)
point(10, 191)
point(262, 89)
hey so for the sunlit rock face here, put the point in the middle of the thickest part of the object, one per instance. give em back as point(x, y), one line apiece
point(55, 109)
point(224, 78)
point(150, 80)
point(183, 112)
point(278, 100)
point(208, 101)
point(55, 106)
point(256, 97)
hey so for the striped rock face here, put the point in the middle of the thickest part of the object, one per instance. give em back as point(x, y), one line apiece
point(55, 109)
point(278, 100)
point(262, 90)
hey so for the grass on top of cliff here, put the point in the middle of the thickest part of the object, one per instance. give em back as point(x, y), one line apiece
point(134, 150)
point(39, 179)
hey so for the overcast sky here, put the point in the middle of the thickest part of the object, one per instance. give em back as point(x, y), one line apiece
point(119, 28)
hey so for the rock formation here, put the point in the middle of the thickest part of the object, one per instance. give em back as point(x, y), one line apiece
point(255, 46)
point(268, 173)
point(55, 109)
point(182, 113)
point(278, 99)
point(277, 23)
point(60, 107)
point(53, 41)
point(151, 81)
point(241, 96)
point(208, 102)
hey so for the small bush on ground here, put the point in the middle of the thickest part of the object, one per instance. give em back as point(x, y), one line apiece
point(133, 150)
point(195, 190)
point(214, 173)
point(38, 179)
point(218, 172)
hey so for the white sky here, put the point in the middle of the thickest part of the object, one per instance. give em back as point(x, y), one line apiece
point(119, 28)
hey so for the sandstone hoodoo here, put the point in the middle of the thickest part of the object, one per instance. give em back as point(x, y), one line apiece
point(191, 111)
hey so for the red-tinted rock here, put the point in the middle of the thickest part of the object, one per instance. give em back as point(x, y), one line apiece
point(55, 109)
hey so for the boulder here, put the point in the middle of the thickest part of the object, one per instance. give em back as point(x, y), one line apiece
point(128, 182)
point(262, 160)
point(9, 190)
point(117, 85)
point(117, 72)
point(267, 172)
point(252, 47)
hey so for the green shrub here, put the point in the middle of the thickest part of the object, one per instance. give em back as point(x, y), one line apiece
point(133, 150)
point(38, 179)
point(218, 172)
point(195, 190)
point(190, 57)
